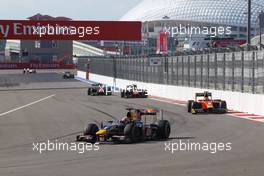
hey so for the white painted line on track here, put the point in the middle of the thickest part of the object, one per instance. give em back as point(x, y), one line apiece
point(170, 102)
point(27, 105)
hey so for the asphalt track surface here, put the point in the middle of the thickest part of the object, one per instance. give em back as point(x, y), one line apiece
point(67, 109)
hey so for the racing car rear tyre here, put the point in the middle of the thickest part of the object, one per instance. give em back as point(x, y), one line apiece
point(189, 105)
point(223, 105)
point(164, 129)
point(136, 134)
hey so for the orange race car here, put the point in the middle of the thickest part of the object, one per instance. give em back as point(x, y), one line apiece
point(206, 104)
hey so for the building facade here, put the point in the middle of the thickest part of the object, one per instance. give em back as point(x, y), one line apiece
point(46, 51)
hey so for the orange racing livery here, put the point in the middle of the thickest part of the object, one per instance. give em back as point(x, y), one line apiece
point(206, 104)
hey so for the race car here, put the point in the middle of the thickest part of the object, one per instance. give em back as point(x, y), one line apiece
point(29, 71)
point(99, 89)
point(142, 126)
point(132, 91)
point(68, 75)
point(206, 104)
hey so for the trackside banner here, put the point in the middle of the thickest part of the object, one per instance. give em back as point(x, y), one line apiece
point(36, 66)
point(70, 30)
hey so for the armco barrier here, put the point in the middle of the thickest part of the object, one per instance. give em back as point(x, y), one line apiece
point(244, 102)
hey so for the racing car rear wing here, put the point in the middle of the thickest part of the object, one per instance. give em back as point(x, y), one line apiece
point(209, 94)
point(97, 84)
point(204, 94)
point(149, 111)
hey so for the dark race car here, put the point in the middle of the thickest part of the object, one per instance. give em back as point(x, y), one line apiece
point(29, 71)
point(132, 91)
point(68, 75)
point(99, 89)
point(206, 104)
point(141, 125)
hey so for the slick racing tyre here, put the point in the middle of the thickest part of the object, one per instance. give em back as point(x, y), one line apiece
point(89, 92)
point(122, 94)
point(91, 129)
point(189, 106)
point(127, 132)
point(223, 105)
point(195, 106)
point(133, 133)
point(164, 129)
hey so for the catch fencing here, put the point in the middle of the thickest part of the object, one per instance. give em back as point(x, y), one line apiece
point(237, 71)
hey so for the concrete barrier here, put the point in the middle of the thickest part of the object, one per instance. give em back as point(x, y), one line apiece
point(244, 102)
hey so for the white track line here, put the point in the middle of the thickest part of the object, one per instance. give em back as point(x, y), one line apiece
point(21, 107)
point(170, 102)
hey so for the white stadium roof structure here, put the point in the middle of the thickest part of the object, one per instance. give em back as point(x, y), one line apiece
point(225, 12)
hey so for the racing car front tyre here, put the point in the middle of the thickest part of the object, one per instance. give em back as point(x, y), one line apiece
point(89, 92)
point(122, 94)
point(91, 129)
point(127, 132)
point(133, 133)
point(223, 105)
point(164, 129)
point(78, 138)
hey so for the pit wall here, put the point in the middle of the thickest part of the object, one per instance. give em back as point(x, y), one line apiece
point(244, 102)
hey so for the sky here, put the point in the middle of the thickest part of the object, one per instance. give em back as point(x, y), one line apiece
point(75, 9)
